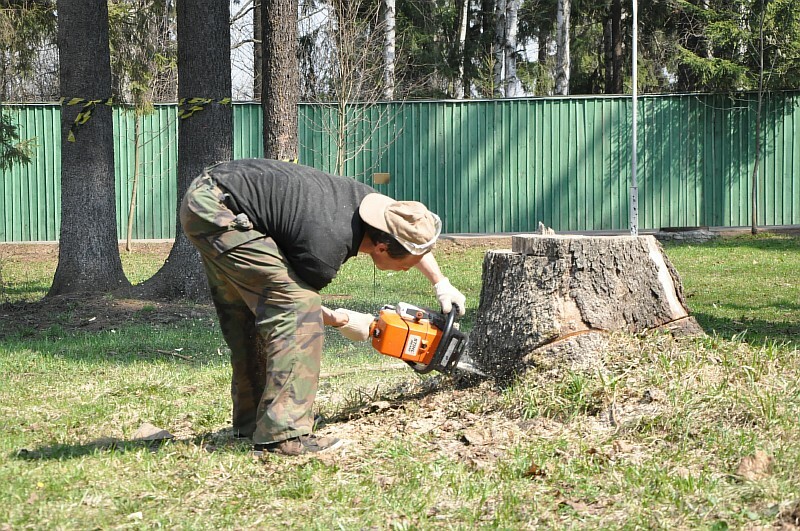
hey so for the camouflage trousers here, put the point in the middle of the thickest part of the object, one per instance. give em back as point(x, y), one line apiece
point(270, 319)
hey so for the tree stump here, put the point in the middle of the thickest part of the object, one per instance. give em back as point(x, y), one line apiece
point(554, 299)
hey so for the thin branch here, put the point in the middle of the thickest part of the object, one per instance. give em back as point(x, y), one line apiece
point(246, 8)
point(246, 41)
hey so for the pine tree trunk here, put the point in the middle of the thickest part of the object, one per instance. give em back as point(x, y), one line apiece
point(542, 41)
point(280, 79)
point(88, 254)
point(616, 48)
point(557, 298)
point(608, 55)
point(204, 138)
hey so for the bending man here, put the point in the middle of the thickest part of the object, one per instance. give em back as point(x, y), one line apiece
point(271, 235)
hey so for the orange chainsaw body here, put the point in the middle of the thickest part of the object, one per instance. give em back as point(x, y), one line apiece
point(410, 337)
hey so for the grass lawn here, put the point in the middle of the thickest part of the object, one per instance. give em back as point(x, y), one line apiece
point(699, 433)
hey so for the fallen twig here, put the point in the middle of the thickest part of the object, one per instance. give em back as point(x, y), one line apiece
point(171, 353)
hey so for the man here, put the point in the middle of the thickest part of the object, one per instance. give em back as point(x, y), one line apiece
point(271, 235)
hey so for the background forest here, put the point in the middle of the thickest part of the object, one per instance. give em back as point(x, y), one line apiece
point(92, 54)
point(367, 50)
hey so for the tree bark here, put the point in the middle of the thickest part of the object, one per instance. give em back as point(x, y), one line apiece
point(616, 48)
point(557, 298)
point(389, 50)
point(499, 48)
point(608, 55)
point(511, 81)
point(88, 254)
point(563, 66)
point(258, 63)
point(459, 88)
point(759, 110)
point(137, 148)
point(542, 37)
point(204, 138)
point(280, 79)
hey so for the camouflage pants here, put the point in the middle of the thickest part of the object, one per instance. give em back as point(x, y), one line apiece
point(270, 319)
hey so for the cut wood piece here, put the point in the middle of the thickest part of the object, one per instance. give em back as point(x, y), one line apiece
point(555, 297)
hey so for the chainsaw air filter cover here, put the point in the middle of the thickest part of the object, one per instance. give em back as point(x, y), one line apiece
point(424, 339)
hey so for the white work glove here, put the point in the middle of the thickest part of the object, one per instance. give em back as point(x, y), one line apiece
point(357, 326)
point(448, 296)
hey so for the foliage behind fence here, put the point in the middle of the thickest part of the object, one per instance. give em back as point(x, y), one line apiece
point(484, 166)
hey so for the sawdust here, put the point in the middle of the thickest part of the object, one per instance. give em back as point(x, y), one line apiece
point(463, 424)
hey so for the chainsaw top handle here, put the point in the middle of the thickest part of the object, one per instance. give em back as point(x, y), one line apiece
point(447, 332)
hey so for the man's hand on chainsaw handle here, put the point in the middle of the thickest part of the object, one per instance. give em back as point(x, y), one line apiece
point(448, 296)
point(445, 292)
point(357, 326)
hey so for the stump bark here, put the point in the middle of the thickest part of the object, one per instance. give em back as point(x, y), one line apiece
point(553, 299)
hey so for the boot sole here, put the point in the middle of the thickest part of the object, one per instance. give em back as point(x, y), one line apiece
point(338, 444)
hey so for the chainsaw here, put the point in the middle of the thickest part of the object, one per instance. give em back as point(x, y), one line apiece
point(424, 339)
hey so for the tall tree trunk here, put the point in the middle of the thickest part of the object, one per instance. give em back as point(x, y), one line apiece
point(204, 138)
point(616, 48)
point(608, 56)
point(542, 38)
point(759, 110)
point(88, 254)
point(463, 17)
point(708, 47)
point(137, 148)
point(499, 48)
point(388, 49)
point(258, 65)
point(281, 79)
point(562, 47)
point(511, 81)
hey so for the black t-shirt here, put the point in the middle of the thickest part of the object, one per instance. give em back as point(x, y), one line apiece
point(311, 215)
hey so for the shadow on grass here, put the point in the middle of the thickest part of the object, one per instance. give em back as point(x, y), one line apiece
point(22, 293)
point(210, 442)
point(773, 241)
point(753, 331)
point(396, 398)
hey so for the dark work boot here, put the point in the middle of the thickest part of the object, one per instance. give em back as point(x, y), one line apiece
point(304, 444)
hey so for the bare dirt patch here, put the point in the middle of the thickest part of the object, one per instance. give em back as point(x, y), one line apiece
point(440, 418)
point(93, 313)
point(88, 312)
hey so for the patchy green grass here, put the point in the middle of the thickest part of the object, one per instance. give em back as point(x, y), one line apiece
point(746, 286)
point(660, 438)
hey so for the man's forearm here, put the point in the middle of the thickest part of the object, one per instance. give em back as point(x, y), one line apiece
point(331, 318)
point(430, 268)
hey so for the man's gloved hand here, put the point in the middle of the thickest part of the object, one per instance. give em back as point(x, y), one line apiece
point(357, 326)
point(448, 296)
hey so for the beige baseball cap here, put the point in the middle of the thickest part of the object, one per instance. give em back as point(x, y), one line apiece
point(411, 223)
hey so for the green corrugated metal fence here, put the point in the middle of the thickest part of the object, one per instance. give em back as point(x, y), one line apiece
point(484, 166)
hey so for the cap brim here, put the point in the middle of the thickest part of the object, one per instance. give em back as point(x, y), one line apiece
point(373, 210)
